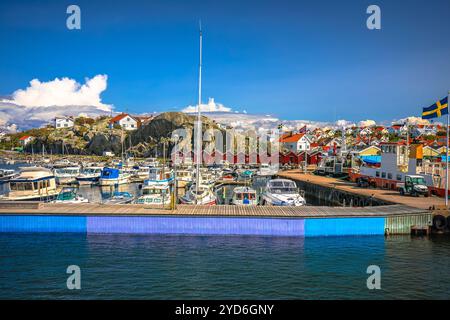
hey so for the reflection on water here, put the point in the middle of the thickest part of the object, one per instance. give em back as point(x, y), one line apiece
point(98, 194)
point(221, 267)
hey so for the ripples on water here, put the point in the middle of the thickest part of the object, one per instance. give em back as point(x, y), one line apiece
point(213, 267)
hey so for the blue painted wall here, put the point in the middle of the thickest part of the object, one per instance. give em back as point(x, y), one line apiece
point(42, 224)
point(196, 225)
point(344, 226)
point(309, 227)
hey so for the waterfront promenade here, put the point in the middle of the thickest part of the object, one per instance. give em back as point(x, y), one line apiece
point(389, 196)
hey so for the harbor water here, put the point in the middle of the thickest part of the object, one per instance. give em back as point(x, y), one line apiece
point(33, 266)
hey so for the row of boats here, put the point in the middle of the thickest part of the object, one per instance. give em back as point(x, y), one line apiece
point(160, 184)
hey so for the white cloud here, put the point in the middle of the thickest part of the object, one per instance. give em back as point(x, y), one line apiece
point(39, 103)
point(412, 121)
point(344, 123)
point(367, 123)
point(62, 92)
point(211, 106)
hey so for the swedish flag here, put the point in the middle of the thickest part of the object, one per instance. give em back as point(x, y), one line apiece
point(436, 110)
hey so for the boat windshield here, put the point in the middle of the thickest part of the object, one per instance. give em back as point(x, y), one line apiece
point(282, 187)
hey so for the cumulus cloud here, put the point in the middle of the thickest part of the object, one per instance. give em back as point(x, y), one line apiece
point(344, 123)
point(211, 106)
point(41, 102)
point(412, 121)
point(62, 92)
point(367, 123)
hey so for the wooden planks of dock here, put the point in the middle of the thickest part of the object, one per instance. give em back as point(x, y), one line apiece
point(198, 210)
point(389, 196)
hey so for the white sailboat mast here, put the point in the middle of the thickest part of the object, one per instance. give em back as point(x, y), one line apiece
point(198, 138)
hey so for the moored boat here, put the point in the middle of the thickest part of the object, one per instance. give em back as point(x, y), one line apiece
point(7, 174)
point(157, 193)
point(113, 176)
point(203, 196)
point(89, 175)
point(66, 175)
point(32, 184)
point(70, 195)
point(244, 196)
point(282, 192)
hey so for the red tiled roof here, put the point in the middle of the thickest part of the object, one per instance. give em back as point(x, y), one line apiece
point(291, 138)
point(24, 138)
point(119, 117)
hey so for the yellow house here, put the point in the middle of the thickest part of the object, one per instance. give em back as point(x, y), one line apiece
point(442, 150)
point(430, 152)
point(370, 151)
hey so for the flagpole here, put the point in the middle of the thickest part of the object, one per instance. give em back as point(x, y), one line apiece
point(446, 157)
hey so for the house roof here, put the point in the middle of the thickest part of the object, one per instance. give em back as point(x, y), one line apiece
point(291, 138)
point(120, 117)
point(24, 138)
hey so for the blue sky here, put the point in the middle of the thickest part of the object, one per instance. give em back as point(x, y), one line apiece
point(295, 59)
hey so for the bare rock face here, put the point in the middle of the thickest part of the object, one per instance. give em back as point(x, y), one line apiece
point(101, 142)
point(164, 124)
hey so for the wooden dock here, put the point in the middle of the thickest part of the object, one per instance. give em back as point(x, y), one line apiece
point(88, 209)
point(388, 196)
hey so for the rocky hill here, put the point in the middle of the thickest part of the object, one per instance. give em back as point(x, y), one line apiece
point(93, 137)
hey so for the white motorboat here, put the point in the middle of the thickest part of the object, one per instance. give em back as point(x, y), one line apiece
point(266, 170)
point(70, 195)
point(66, 175)
point(89, 175)
point(282, 192)
point(7, 174)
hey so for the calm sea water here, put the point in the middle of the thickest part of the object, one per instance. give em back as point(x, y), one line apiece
point(203, 267)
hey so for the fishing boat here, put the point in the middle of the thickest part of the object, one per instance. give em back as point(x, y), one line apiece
point(244, 196)
point(155, 193)
point(282, 192)
point(203, 195)
point(32, 184)
point(113, 176)
point(66, 175)
point(89, 175)
point(70, 195)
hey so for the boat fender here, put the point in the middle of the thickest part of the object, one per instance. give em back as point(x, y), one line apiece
point(439, 222)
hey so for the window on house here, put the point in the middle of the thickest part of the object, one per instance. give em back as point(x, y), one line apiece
point(377, 174)
point(389, 175)
point(399, 177)
point(383, 175)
